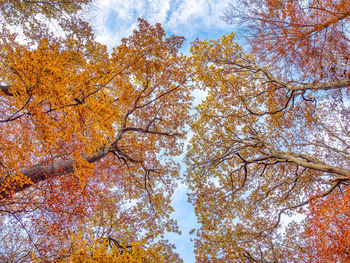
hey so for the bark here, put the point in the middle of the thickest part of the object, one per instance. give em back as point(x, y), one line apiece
point(307, 161)
point(336, 84)
point(6, 90)
point(344, 173)
point(41, 172)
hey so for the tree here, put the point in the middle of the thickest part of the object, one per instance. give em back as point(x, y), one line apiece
point(307, 36)
point(37, 19)
point(272, 135)
point(84, 130)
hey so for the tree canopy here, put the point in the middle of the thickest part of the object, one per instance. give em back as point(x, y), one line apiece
point(272, 137)
point(89, 135)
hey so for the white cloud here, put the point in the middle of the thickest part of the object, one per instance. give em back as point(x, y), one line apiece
point(194, 17)
point(115, 19)
point(187, 12)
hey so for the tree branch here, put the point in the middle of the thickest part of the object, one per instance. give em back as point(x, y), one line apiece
point(335, 84)
point(41, 172)
point(290, 157)
point(6, 90)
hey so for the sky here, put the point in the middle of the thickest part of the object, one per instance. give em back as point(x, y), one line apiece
point(115, 19)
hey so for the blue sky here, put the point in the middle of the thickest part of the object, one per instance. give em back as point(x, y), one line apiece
point(115, 19)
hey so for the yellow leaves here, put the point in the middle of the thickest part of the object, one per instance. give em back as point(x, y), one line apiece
point(236, 169)
point(92, 129)
point(108, 250)
point(44, 73)
point(49, 85)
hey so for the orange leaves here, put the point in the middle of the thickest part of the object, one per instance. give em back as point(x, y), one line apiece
point(83, 128)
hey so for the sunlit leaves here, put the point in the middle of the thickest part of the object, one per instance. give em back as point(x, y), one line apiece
point(109, 250)
point(82, 127)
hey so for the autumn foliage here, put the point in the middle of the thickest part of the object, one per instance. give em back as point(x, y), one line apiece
point(110, 251)
point(89, 135)
point(271, 139)
point(327, 233)
point(310, 36)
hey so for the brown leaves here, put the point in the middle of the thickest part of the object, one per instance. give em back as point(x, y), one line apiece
point(303, 35)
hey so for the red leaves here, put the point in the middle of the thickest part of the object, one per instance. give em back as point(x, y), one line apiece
point(327, 231)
